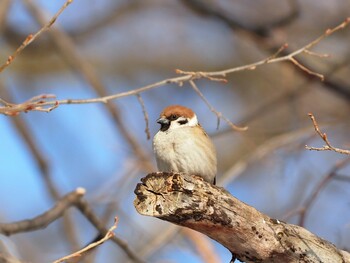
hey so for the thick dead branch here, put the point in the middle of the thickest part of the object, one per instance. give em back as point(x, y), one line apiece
point(250, 235)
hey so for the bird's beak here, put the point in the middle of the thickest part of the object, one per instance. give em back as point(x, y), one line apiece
point(163, 121)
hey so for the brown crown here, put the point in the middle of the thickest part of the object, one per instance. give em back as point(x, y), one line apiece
point(177, 110)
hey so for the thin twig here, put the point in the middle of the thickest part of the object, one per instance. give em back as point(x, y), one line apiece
point(145, 114)
point(108, 235)
point(307, 70)
point(30, 38)
point(316, 54)
point(327, 33)
point(218, 114)
point(33, 104)
point(328, 146)
point(279, 51)
point(87, 211)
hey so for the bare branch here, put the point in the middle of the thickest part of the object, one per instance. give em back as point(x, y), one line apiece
point(218, 114)
point(33, 104)
point(145, 114)
point(4, 7)
point(87, 211)
point(307, 70)
point(30, 38)
point(43, 165)
point(75, 199)
point(108, 235)
point(46, 218)
point(288, 57)
point(189, 75)
point(316, 54)
point(69, 51)
point(202, 245)
point(328, 146)
point(213, 9)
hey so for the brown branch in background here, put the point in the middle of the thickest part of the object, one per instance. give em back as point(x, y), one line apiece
point(303, 211)
point(218, 114)
point(206, 8)
point(203, 247)
point(31, 37)
point(273, 102)
point(214, 10)
point(4, 7)
point(145, 114)
point(79, 253)
point(115, 13)
point(42, 163)
point(46, 218)
point(343, 178)
point(75, 199)
point(69, 52)
point(87, 211)
point(307, 206)
point(328, 146)
point(288, 57)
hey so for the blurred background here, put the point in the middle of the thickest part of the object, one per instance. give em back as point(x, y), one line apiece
point(104, 47)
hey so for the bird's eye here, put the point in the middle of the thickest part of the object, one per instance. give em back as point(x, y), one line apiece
point(173, 117)
point(182, 122)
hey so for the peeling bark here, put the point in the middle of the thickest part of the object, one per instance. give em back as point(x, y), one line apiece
point(248, 234)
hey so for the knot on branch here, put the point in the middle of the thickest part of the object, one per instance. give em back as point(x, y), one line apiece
point(250, 235)
point(176, 197)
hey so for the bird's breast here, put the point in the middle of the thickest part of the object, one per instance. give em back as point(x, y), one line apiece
point(186, 150)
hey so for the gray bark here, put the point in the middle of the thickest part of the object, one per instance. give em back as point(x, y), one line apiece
point(250, 235)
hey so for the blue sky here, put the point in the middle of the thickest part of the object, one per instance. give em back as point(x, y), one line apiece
point(83, 148)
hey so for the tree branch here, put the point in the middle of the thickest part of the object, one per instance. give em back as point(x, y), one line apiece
point(69, 51)
point(328, 146)
point(250, 235)
point(31, 37)
point(46, 218)
point(7, 108)
point(79, 253)
point(72, 199)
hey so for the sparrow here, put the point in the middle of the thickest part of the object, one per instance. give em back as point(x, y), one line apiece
point(181, 144)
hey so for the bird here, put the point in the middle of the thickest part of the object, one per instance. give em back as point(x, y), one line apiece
point(182, 145)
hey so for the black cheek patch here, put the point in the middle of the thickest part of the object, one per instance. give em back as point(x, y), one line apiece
point(164, 126)
point(182, 122)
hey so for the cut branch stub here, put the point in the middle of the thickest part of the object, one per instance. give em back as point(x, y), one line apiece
point(249, 234)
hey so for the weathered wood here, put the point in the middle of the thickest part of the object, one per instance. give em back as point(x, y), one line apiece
point(249, 234)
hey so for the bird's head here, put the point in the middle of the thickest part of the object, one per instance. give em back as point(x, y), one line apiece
point(176, 116)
